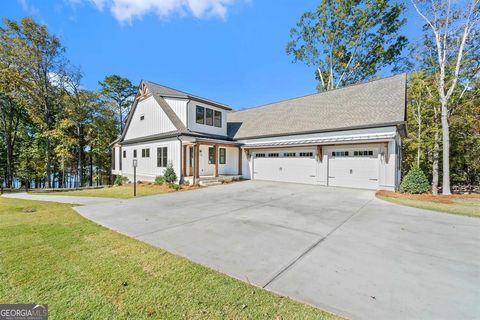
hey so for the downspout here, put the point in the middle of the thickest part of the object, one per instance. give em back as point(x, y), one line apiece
point(181, 146)
point(180, 180)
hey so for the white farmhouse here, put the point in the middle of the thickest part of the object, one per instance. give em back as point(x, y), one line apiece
point(348, 137)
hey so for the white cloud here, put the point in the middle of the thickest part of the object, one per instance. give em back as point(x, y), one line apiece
point(129, 10)
point(30, 9)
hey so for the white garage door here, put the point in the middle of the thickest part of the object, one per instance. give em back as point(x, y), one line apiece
point(285, 165)
point(353, 167)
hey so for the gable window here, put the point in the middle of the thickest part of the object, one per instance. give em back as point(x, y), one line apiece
point(217, 121)
point(289, 154)
point(135, 153)
point(162, 156)
point(260, 155)
point(142, 117)
point(124, 153)
point(200, 115)
point(222, 155)
point(273, 155)
point(145, 153)
point(209, 117)
point(211, 155)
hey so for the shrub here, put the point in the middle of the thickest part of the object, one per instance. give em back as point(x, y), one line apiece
point(120, 180)
point(169, 174)
point(415, 182)
point(159, 180)
point(175, 186)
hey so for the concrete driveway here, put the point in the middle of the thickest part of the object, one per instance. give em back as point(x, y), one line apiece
point(339, 249)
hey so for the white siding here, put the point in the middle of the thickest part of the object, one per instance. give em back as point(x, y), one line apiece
point(194, 126)
point(231, 162)
point(229, 167)
point(388, 171)
point(147, 168)
point(155, 121)
point(180, 108)
point(116, 159)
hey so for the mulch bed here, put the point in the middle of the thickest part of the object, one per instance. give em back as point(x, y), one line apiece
point(427, 197)
point(164, 187)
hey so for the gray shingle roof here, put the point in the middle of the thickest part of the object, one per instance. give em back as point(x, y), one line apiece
point(164, 91)
point(379, 102)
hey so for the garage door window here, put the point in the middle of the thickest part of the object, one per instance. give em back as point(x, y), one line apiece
point(363, 153)
point(340, 154)
point(289, 154)
point(306, 154)
point(260, 155)
point(273, 155)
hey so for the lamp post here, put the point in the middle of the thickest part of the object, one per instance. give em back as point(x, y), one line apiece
point(135, 162)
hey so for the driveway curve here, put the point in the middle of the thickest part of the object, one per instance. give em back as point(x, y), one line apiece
point(342, 250)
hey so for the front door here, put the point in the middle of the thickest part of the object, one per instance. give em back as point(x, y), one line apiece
point(190, 161)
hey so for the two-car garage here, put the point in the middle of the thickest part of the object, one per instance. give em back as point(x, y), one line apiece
point(355, 166)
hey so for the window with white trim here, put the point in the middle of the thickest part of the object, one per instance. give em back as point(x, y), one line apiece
point(145, 153)
point(162, 157)
point(259, 155)
point(273, 155)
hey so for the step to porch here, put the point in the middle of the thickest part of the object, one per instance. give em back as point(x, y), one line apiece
point(209, 182)
point(212, 181)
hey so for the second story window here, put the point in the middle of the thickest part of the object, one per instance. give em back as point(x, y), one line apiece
point(200, 115)
point(217, 121)
point(208, 117)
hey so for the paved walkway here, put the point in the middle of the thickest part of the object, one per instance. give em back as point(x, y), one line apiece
point(342, 250)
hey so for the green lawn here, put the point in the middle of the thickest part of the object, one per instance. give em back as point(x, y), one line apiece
point(123, 192)
point(466, 207)
point(50, 254)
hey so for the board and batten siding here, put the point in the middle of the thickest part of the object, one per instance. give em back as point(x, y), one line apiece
point(194, 126)
point(155, 120)
point(147, 168)
point(179, 106)
point(230, 166)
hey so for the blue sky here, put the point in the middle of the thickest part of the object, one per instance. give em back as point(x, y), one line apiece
point(232, 51)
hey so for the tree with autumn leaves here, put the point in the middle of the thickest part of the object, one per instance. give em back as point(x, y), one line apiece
point(53, 132)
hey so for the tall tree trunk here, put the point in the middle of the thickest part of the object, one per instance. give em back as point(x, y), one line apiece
point(436, 153)
point(9, 164)
point(445, 150)
point(91, 169)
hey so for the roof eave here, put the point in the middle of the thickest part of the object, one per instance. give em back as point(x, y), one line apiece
point(380, 125)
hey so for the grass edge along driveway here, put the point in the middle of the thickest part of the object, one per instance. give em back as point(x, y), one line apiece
point(50, 254)
point(466, 205)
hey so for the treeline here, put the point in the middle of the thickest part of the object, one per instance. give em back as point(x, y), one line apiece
point(53, 132)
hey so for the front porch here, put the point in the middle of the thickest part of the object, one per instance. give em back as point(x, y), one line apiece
point(215, 160)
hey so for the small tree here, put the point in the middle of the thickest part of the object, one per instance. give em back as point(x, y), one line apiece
point(169, 174)
point(415, 182)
